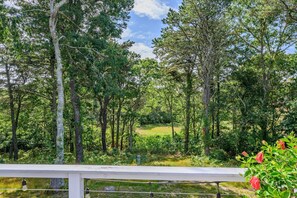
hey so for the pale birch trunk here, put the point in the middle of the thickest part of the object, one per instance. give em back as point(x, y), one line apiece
point(54, 9)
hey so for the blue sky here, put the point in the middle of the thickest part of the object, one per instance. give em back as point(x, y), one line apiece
point(146, 24)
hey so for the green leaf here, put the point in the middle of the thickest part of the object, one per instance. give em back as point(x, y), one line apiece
point(285, 194)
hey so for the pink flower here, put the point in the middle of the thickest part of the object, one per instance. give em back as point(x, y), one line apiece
point(255, 182)
point(282, 144)
point(260, 157)
point(245, 154)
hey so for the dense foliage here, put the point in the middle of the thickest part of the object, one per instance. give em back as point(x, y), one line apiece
point(272, 172)
point(226, 73)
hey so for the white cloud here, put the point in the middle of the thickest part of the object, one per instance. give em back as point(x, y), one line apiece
point(144, 50)
point(153, 9)
point(129, 34)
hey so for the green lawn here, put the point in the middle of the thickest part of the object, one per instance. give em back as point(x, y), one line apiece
point(151, 130)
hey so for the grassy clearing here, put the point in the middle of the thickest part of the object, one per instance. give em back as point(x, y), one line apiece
point(152, 130)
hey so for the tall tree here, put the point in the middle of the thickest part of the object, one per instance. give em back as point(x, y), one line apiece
point(54, 10)
point(173, 48)
point(197, 33)
point(12, 68)
point(265, 31)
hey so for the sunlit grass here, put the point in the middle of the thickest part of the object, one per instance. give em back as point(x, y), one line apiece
point(152, 130)
point(172, 162)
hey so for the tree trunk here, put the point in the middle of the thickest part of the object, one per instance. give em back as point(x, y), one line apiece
point(53, 99)
point(119, 112)
point(233, 119)
point(188, 110)
point(194, 119)
point(218, 110)
point(13, 152)
point(123, 134)
point(54, 9)
point(169, 104)
point(112, 126)
point(206, 101)
point(71, 128)
point(131, 134)
point(265, 83)
point(243, 130)
point(212, 123)
point(171, 116)
point(103, 121)
point(77, 121)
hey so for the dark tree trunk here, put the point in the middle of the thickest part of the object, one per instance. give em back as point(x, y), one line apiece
point(194, 119)
point(103, 121)
point(77, 121)
point(242, 140)
point(212, 123)
point(171, 116)
point(273, 124)
point(70, 142)
point(188, 110)
point(112, 126)
point(234, 119)
point(53, 99)
point(206, 101)
point(13, 117)
point(218, 109)
point(123, 134)
point(265, 84)
point(119, 112)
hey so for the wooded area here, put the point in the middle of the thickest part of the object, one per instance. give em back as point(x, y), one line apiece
point(225, 72)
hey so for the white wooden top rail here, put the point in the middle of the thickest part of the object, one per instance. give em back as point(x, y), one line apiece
point(77, 173)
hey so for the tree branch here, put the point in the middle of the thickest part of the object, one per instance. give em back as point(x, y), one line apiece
point(288, 9)
point(59, 5)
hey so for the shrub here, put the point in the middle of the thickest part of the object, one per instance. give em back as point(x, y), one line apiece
point(227, 142)
point(273, 171)
point(158, 144)
point(156, 116)
point(219, 154)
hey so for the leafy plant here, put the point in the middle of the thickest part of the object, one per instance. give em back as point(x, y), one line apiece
point(272, 172)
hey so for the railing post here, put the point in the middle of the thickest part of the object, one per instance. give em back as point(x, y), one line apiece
point(218, 189)
point(75, 185)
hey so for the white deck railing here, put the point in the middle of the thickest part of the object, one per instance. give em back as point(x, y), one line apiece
point(77, 173)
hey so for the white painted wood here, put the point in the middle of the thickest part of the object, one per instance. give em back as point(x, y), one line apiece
point(75, 185)
point(124, 172)
point(77, 173)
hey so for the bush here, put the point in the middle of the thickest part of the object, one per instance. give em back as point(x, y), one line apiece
point(158, 144)
point(273, 171)
point(226, 142)
point(156, 116)
point(219, 154)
